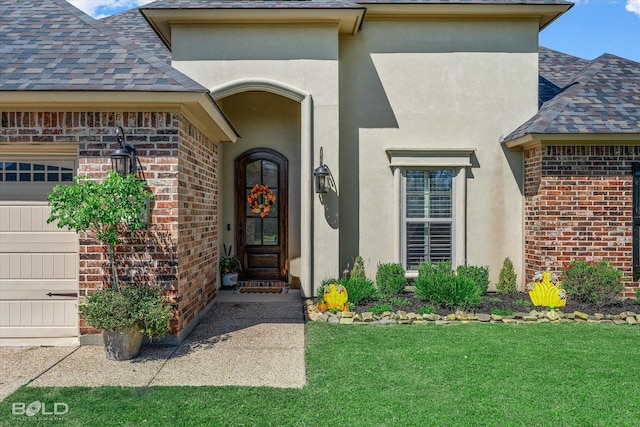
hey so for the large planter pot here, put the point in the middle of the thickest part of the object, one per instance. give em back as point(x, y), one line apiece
point(230, 279)
point(122, 344)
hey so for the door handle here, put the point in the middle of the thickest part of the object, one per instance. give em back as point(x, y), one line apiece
point(68, 294)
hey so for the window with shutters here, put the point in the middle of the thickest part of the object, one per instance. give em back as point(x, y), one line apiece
point(636, 220)
point(427, 217)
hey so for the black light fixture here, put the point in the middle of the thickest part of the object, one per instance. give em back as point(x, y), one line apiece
point(123, 159)
point(322, 175)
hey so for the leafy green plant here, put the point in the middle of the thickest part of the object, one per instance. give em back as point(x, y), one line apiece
point(427, 309)
point(380, 308)
point(106, 210)
point(358, 268)
point(594, 282)
point(501, 312)
point(140, 306)
point(479, 276)
point(522, 302)
point(438, 284)
point(398, 302)
point(390, 279)
point(637, 301)
point(507, 280)
point(229, 263)
point(493, 299)
point(359, 288)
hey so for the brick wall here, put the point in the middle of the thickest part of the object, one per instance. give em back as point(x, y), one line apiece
point(179, 249)
point(198, 210)
point(578, 205)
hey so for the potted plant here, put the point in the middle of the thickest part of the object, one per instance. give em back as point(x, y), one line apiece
point(229, 267)
point(106, 211)
point(125, 315)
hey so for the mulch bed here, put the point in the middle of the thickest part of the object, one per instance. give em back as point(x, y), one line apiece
point(514, 302)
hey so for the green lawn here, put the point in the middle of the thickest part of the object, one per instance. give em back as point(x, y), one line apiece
point(458, 375)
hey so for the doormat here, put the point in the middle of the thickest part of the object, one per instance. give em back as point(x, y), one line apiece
point(262, 287)
point(264, 290)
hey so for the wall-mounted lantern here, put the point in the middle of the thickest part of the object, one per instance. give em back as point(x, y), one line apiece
point(123, 159)
point(322, 176)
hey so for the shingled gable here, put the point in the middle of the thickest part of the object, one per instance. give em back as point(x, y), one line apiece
point(602, 99)
point(52, 54)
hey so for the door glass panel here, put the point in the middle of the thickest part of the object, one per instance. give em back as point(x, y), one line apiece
point(253, 232)
point(270, 231)
point(253, 173)
point(270, 174)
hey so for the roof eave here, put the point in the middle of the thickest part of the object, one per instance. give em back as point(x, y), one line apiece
point(544, 14)
point(198, 107)
point(541, 139)
point(347, 20)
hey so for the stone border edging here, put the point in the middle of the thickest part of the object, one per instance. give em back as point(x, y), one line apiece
point(312, 314)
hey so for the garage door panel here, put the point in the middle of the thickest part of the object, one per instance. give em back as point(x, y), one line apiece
point(55, 242)
point(38, 332)
point(38, 313)
point(38, 266)
point(37, 289)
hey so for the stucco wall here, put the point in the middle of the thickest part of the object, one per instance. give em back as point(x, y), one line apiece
point(435, 85)
point(304, 58)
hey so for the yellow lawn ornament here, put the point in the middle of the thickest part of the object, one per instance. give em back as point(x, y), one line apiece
point(545, 291)
point(336, 296)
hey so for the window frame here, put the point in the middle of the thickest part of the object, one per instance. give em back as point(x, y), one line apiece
point(405, 221)
point(459, 160)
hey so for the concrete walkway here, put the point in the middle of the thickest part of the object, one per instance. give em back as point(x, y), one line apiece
point(245, 340)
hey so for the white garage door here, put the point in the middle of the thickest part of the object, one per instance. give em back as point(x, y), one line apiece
point(38, 261)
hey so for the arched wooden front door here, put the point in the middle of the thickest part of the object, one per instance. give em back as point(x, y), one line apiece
point(261, 237)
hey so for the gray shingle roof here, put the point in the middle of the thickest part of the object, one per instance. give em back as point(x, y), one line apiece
point(602, 98)
point(132, 25)
point(556, 70)
point(51, 45)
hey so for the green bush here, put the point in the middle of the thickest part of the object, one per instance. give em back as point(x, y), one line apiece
point(358, 268)
point(501, 311)
point(438, 284)
point(359, 288)
point(113, 309)
point(390, 279)
point(594, 282)
point(479, 276)
point(507, 279)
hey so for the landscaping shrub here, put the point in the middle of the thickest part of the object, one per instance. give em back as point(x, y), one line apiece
point(390, 279)
point(359, 288)
point(479, 276)
point(507, 279)
point(438, 284)
point(358, 268)
point(594, 282)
